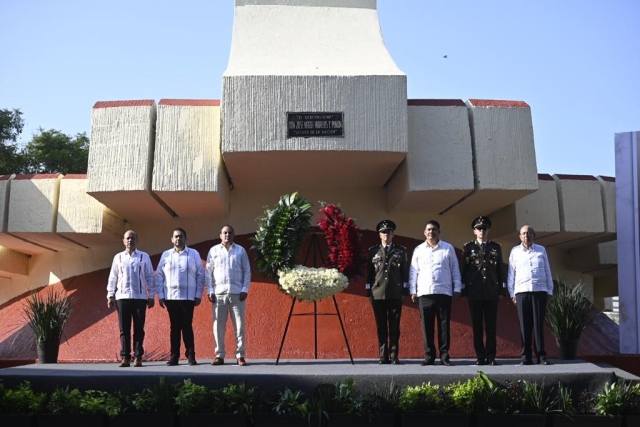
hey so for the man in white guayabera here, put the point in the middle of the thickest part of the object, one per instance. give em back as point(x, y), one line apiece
point(228, 276)
point(131, 289)
point(530, 285)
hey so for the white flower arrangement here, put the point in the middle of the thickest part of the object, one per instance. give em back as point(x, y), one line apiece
point(312, 284)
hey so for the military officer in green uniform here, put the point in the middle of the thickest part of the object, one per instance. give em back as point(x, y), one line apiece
point(387, 283)
point(483, 284)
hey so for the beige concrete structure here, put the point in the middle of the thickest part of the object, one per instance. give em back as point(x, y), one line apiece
point(33, 214)
point(438, 171)
point(82, 218)
point(311, 56)
point(539, 209)
point(188, 173)
point(121, 159)
point(500, 130)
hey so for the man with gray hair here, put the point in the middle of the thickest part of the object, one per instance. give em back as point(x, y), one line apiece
point(530, 284)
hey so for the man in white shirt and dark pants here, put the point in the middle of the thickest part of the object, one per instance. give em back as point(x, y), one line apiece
point(434, 278)
point(530, 284)
point(131, 289)
point(228, 276)
point(180, 282)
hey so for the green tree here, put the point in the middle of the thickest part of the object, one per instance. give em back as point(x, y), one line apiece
point(51, 151)
point(11, 125)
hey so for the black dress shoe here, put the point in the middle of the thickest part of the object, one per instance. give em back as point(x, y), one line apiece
point(543, 361)
point(427, 362)
point(480, 362)
point(172, 362)
point(526, 362)
point(192, 361)
point(395, 361)
point(384, 361)
point(492, 362)
point(445, 361)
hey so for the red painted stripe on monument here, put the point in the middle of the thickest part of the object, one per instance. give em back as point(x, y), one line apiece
point(498, 103)
point(191, 102)
point(545, 177)
point(134, 103)
point(576, 177)
point(436, 102)
point(76, 176)
point(36, 176)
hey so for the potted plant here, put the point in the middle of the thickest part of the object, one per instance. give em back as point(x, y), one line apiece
point(46, 315)
point(568, 313)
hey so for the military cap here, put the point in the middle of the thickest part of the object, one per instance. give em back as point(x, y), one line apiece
point(480, 222)
point(386, 225)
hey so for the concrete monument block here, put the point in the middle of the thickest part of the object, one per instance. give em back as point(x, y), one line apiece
point(33, 213)
point(121, 159)
point(608, 189)
point(188, 173)
point(504, 156)
point(596, 259)
point(540, 210)
point(311, 97)
point(82, 218)
point(577, 196)
point(438, 170)
point(12, 262)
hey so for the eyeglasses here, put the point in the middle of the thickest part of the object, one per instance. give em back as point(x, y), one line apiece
point(482, 228)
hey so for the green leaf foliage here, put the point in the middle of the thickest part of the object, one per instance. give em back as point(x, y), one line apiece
point(47, 314)
point(22, 400)
point(569, 311)
point(280, 234)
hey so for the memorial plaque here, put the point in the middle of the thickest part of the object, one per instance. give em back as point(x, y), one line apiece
point(313, 125)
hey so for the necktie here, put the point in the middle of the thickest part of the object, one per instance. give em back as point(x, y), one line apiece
point(483, 246)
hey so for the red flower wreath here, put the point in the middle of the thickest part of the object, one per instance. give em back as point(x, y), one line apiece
point(346, 253)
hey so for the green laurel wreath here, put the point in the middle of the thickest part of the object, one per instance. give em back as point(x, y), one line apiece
point(280, 235)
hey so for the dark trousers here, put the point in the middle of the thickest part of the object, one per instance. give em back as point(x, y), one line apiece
point(435, 306)
point(532, 307)
point(131, 310)
point(387, 313)
point(484, 316)
point(181, 319)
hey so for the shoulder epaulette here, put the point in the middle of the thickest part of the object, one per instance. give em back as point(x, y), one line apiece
point(374, 247)
point(468, 243)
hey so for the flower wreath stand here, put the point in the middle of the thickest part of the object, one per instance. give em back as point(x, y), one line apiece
point(314, 249)
point(282, 230)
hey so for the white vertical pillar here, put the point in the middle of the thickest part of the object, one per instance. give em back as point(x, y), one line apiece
point(628, 227)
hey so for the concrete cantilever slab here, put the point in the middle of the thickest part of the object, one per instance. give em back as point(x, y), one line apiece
point(438, 170)
point(33, 213)
point(539, 210)
point(82, 218)
point(330, 59)
point(188, 173)
point(504, 158)
point(121, 159)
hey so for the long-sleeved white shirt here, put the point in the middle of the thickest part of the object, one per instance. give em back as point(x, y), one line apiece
point(434, 270)
point(228, 271)
point(529, 270)
point(131, 276)
point(180, 275)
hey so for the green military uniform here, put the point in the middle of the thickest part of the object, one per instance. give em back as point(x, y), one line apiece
point(387, 283)
point(483, 284)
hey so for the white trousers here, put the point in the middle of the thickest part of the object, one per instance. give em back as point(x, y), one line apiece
point(220, 314)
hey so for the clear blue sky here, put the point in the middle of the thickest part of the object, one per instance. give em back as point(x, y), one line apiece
point(575, 62)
